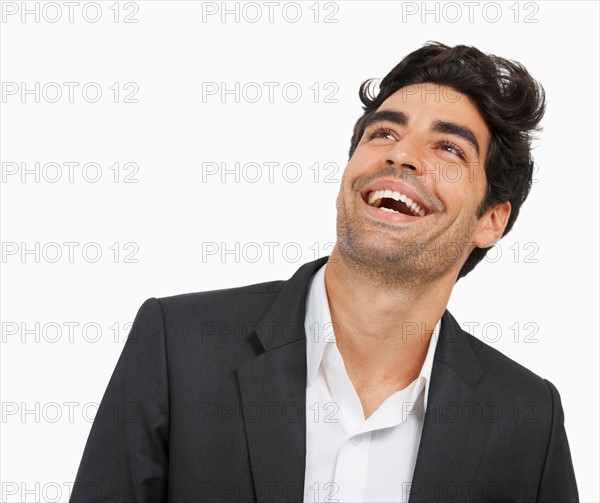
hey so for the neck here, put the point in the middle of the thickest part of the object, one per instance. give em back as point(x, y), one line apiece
point(382, 331)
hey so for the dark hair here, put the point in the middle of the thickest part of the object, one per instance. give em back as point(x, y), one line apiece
point(510, 101)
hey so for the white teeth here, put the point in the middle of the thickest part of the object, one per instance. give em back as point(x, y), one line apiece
point(383, 208)
point(397, 196)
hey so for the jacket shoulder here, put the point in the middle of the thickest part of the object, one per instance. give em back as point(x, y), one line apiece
point(221, 295)
point(507, 375)
point(206, 314)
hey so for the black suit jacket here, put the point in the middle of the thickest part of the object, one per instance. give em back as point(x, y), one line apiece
point(207, 403)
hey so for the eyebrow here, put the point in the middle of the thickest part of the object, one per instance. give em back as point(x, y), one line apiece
point(456, 130)
point(437, 126)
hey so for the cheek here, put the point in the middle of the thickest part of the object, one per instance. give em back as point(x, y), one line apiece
point(356, 167)
point(339, 200)
point(461, 197)
point(348, 177)
point(453, 194)
point(452, 173)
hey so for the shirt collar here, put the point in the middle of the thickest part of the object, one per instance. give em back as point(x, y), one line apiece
point(317, 315)
point(319, 332)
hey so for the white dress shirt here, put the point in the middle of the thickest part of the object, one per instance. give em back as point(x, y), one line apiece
point(350, 458)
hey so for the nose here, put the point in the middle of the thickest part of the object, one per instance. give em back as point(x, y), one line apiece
point(404, 153)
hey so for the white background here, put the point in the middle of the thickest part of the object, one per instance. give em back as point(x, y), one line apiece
point(546, 272)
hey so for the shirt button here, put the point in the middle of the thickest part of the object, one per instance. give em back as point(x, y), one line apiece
point(356, 440)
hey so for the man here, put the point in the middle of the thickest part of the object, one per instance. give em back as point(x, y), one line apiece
point(351, 381)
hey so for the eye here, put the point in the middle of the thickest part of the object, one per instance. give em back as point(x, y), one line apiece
point(382, 132)
point(453, 148)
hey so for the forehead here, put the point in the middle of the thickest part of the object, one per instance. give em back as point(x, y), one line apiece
point(426, 102)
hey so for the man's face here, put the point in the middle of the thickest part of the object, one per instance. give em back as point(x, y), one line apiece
point(430, 146)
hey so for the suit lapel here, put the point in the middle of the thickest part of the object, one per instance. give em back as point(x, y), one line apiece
point(273, 391)
point(454, 431)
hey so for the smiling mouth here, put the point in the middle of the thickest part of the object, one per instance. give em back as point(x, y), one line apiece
point(393, 201)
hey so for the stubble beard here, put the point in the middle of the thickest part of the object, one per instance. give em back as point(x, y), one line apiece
point(407, 264)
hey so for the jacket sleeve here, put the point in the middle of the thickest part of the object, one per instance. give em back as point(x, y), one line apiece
point(126, 454)
point(558, 482)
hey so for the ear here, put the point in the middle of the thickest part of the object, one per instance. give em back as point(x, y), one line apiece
point(491, 225)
